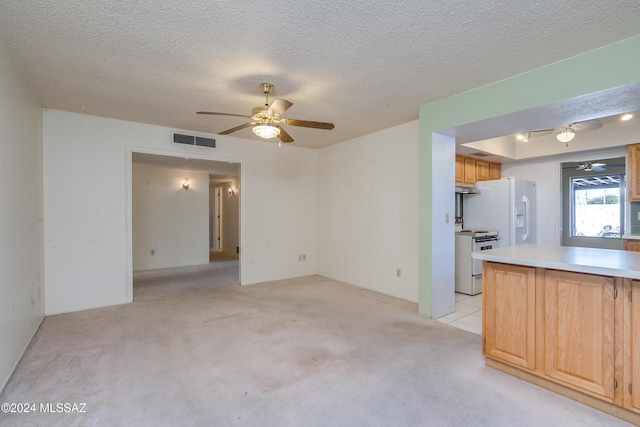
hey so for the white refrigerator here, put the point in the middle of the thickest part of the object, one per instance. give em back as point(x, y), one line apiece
point(507, 205)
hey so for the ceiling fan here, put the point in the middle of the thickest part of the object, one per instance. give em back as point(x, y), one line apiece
point(589, 166)
point(266, 120)
point(564, 133)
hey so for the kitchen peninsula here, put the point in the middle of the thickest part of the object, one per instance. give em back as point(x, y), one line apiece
point(567, 319)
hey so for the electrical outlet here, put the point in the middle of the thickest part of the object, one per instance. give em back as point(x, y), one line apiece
point(398, 272)
point(304, 257)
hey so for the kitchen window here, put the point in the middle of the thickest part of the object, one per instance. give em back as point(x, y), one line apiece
point(593, 203)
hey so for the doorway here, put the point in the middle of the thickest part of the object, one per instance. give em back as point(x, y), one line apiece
point(224, 228)
point(170, 219)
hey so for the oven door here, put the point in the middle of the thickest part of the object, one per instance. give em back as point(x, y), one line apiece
point(476, 269)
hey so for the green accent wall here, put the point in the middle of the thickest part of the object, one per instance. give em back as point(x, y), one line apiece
point(605, 68)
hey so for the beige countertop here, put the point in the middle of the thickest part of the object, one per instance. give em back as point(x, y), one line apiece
point(607, 262)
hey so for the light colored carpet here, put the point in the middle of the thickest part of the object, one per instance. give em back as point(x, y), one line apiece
point(302, 352)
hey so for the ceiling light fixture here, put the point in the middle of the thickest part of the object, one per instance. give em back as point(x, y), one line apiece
point(266, 130)
point(185, 184)
point(565, 135)
point(626, 117)
point(524, 137)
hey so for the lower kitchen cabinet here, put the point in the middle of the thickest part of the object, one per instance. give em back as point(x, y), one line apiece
point(575, 333)
point(632, 345)
point(509, 313)
point(632, 245)
point(579, 330)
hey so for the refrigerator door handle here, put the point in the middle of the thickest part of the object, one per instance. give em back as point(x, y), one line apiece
point(527, 222)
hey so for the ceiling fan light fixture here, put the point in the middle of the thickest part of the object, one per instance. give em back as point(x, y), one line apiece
point(565, 136)
point(626, 117)
point(266, 130)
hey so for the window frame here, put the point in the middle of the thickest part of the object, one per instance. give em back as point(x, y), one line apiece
point(615, 166)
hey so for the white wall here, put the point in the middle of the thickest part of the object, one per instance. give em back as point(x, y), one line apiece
point(546, 172)
point(169, 220)
point(87, 203)
point(368, 211)
point(21, 265)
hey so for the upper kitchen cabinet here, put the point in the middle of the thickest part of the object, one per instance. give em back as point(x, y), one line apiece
point(633, 177)
point(459, 169)
point(469, 170)
point(482, 170)
point(495, 171)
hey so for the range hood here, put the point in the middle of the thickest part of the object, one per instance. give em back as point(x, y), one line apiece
point(466, 189)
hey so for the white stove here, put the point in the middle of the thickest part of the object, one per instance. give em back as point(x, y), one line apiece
point(478, 233)
point(468, 270)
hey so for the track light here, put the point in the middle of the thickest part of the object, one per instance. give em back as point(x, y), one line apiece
point(524, 137)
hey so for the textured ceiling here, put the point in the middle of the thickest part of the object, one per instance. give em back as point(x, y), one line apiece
point(363, 65)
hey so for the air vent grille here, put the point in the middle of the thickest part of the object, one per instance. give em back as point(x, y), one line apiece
point(183, 139)
point(205, 142)
point(180, 138)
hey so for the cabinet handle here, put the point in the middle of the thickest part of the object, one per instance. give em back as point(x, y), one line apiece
point(630, 389)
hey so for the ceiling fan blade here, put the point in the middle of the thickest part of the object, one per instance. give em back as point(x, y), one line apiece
point(224, 114)
point(228, 131)
point(541, 132)
point(278, 107)
point(308, 124)
point(284, 136)
point(588, 125)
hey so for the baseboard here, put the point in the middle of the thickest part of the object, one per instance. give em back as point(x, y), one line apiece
point(24, 350)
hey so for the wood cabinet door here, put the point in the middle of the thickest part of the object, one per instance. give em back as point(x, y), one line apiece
point(632, 245)
point(508, 323)
point(469, 171)
point(459, 169)
point(495, 170)
point(579, 331)
point(482, 170)
point(631, 386)
point(633, 175)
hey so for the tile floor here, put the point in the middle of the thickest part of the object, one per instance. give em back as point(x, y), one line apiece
point(468, 314)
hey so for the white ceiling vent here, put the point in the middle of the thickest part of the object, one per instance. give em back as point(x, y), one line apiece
point(179, 138)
